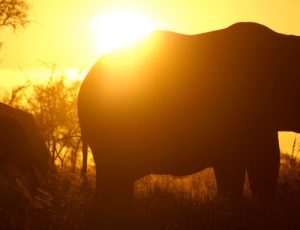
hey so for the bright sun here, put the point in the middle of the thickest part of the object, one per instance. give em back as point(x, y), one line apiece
point(120, 28)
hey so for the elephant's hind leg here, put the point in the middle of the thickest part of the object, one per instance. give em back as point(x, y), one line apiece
point(263, 168)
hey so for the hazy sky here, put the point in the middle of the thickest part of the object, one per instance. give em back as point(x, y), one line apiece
point(60, 30)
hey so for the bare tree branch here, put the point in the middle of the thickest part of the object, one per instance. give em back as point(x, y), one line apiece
point(13, 13)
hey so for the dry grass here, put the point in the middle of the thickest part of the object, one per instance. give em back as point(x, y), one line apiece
point(164, 202)
point(57, 203)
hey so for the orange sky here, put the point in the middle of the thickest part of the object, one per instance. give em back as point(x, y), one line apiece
point(60, 30)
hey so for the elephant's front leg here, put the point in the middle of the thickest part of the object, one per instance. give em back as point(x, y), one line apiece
point(230, 178)
point(114, 203)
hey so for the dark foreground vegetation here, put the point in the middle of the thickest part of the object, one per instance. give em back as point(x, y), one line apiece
point(62, 198)
point(191, 203)
point(164, 202)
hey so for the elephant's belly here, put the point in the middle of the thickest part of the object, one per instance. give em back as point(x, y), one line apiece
point(155, 144)
point(144, 156)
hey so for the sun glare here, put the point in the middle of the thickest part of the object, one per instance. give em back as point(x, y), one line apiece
point(120, 28)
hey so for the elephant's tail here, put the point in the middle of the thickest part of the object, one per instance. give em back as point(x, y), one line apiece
point(84, 156)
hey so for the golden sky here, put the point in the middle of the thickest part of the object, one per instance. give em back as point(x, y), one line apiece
point(60, 31)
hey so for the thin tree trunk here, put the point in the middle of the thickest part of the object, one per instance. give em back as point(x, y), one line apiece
point(84, 157)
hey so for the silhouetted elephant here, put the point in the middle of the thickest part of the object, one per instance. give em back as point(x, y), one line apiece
point(21, 143)
point(177, 104)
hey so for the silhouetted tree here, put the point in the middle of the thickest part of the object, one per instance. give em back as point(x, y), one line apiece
point(13, 13)
point(16, 95)
point(54, 106)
